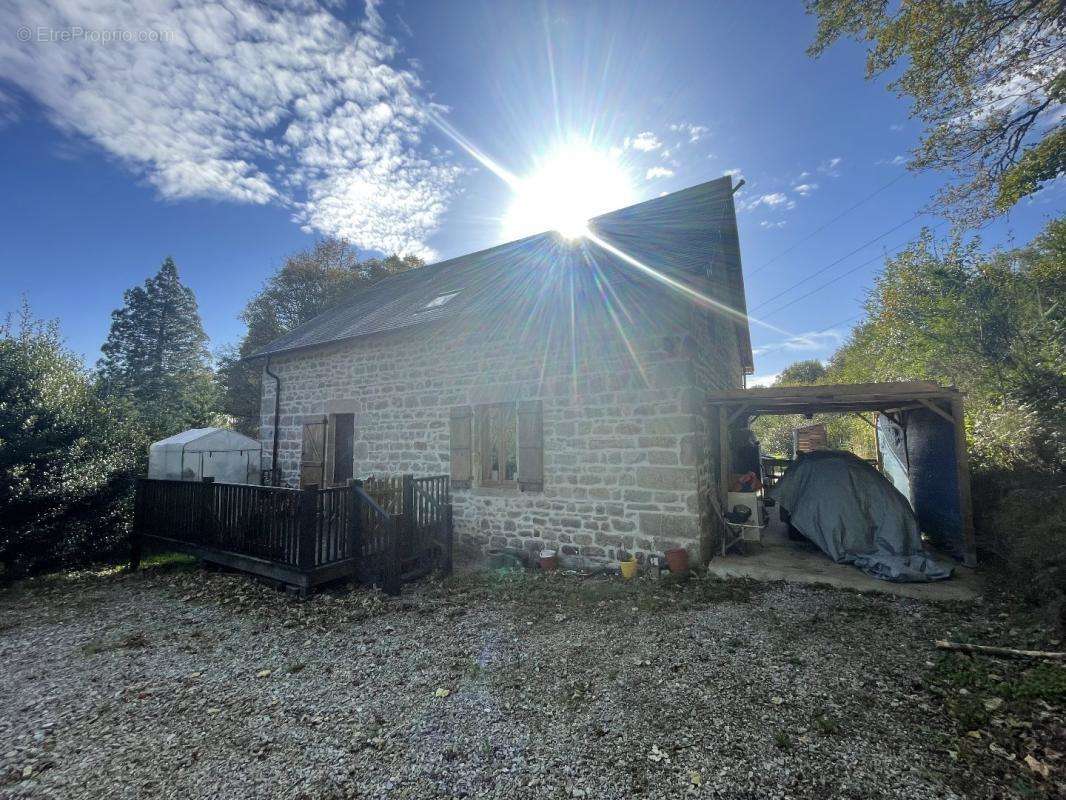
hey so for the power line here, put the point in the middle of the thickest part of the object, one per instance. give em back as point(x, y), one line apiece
point(825, 225)
point(833, 280)
point(844, 257)
point(800, 337)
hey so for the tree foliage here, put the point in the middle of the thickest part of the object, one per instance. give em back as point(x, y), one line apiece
point(774, 432)
point(67, 455)
point(986, 77)
point(801, 373)
point(305, 285)
point(992, 325)
point(156, 355)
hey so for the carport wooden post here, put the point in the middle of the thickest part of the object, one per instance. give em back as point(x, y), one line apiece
point(724, 466)
point(962, 466)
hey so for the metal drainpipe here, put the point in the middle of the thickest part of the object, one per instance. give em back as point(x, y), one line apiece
point(277, 417)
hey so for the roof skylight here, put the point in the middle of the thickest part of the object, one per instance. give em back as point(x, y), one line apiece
point(439, 300)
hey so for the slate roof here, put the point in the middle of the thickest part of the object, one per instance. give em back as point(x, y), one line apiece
point(689, 235)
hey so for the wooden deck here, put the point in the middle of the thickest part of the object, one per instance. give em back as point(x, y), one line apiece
point(384, 533)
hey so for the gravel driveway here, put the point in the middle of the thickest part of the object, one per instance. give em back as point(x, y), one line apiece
point(188, 684)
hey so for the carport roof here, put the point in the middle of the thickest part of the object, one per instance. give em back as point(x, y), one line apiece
point(838, 397)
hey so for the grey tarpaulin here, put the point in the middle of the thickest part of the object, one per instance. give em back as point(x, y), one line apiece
point(856, 516)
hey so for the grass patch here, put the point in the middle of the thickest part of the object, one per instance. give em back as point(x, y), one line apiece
point(1010, 681)
point(169, 562)
point(540, 593)
point(782, 741)
point(826, 725)
point(997, 699)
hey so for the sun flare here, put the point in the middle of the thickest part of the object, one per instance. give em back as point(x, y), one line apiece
point(566, 189)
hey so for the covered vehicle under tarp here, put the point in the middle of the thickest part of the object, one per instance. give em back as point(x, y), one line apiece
point(856, 516)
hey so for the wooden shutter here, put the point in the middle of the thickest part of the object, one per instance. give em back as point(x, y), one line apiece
point(531, 446)
point(461, 434)
point(313, 455)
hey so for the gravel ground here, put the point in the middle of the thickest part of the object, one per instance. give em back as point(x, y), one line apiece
point(180, 683)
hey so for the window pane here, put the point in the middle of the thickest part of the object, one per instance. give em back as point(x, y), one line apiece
point(498, 442)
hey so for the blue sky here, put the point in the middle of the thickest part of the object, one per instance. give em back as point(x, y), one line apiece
point(229, 136)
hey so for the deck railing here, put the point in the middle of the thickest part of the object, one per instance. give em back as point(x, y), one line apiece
point(302, 537)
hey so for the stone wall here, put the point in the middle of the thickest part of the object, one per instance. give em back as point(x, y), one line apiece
point(624, 423)
point(718, 367)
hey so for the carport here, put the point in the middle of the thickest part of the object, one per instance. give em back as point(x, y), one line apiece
point(921, 444)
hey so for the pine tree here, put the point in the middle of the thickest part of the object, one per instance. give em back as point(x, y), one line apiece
point(156, 354)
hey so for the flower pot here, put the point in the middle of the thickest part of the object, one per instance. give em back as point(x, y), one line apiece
point(569, 559)
point(629, 568)
point(549, 560)
point(677, 560)
point(503, 560)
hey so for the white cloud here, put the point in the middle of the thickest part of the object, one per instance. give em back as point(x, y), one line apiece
point(899, 160)
point(693, 132)
point(284, 104)
point(778, 200)
point(829, 167)
point(804, 189)
point(818, 340)
point(768, 224)
point(896, 126)
point(734, 173)
point(645, 142)
point(658, 172)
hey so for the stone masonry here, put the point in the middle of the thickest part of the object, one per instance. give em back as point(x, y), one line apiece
point(623, 419)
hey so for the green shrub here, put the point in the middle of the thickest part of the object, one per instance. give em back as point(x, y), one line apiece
point(67, 457)
point(1020, 525)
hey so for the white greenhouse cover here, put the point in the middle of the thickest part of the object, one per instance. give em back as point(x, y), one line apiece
point(219, 453)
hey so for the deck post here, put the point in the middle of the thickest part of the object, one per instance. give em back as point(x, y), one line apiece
point(391, 580)
point(355, 521)
point(449, 539)
point(138, 526)
point(207, 511)
point(408, 546)
point(307, 535)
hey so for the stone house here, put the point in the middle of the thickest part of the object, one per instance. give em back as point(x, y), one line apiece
point(560, 383)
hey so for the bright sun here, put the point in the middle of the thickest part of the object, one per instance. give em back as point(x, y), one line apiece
point(567, 188)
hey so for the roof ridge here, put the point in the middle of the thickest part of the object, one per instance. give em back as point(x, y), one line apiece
point(365, 306)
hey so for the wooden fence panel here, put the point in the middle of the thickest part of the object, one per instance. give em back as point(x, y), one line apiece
point(307, 532)
point(334, 526)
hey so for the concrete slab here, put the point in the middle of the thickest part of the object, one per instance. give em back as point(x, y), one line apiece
point(779, 558)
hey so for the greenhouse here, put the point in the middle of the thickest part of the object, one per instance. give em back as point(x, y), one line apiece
point(219, 453)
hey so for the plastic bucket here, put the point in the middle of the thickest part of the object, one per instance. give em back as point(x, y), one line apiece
point(629, 568)
point(549, 560)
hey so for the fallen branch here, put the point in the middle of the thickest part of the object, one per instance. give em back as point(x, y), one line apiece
point(1003, 652)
